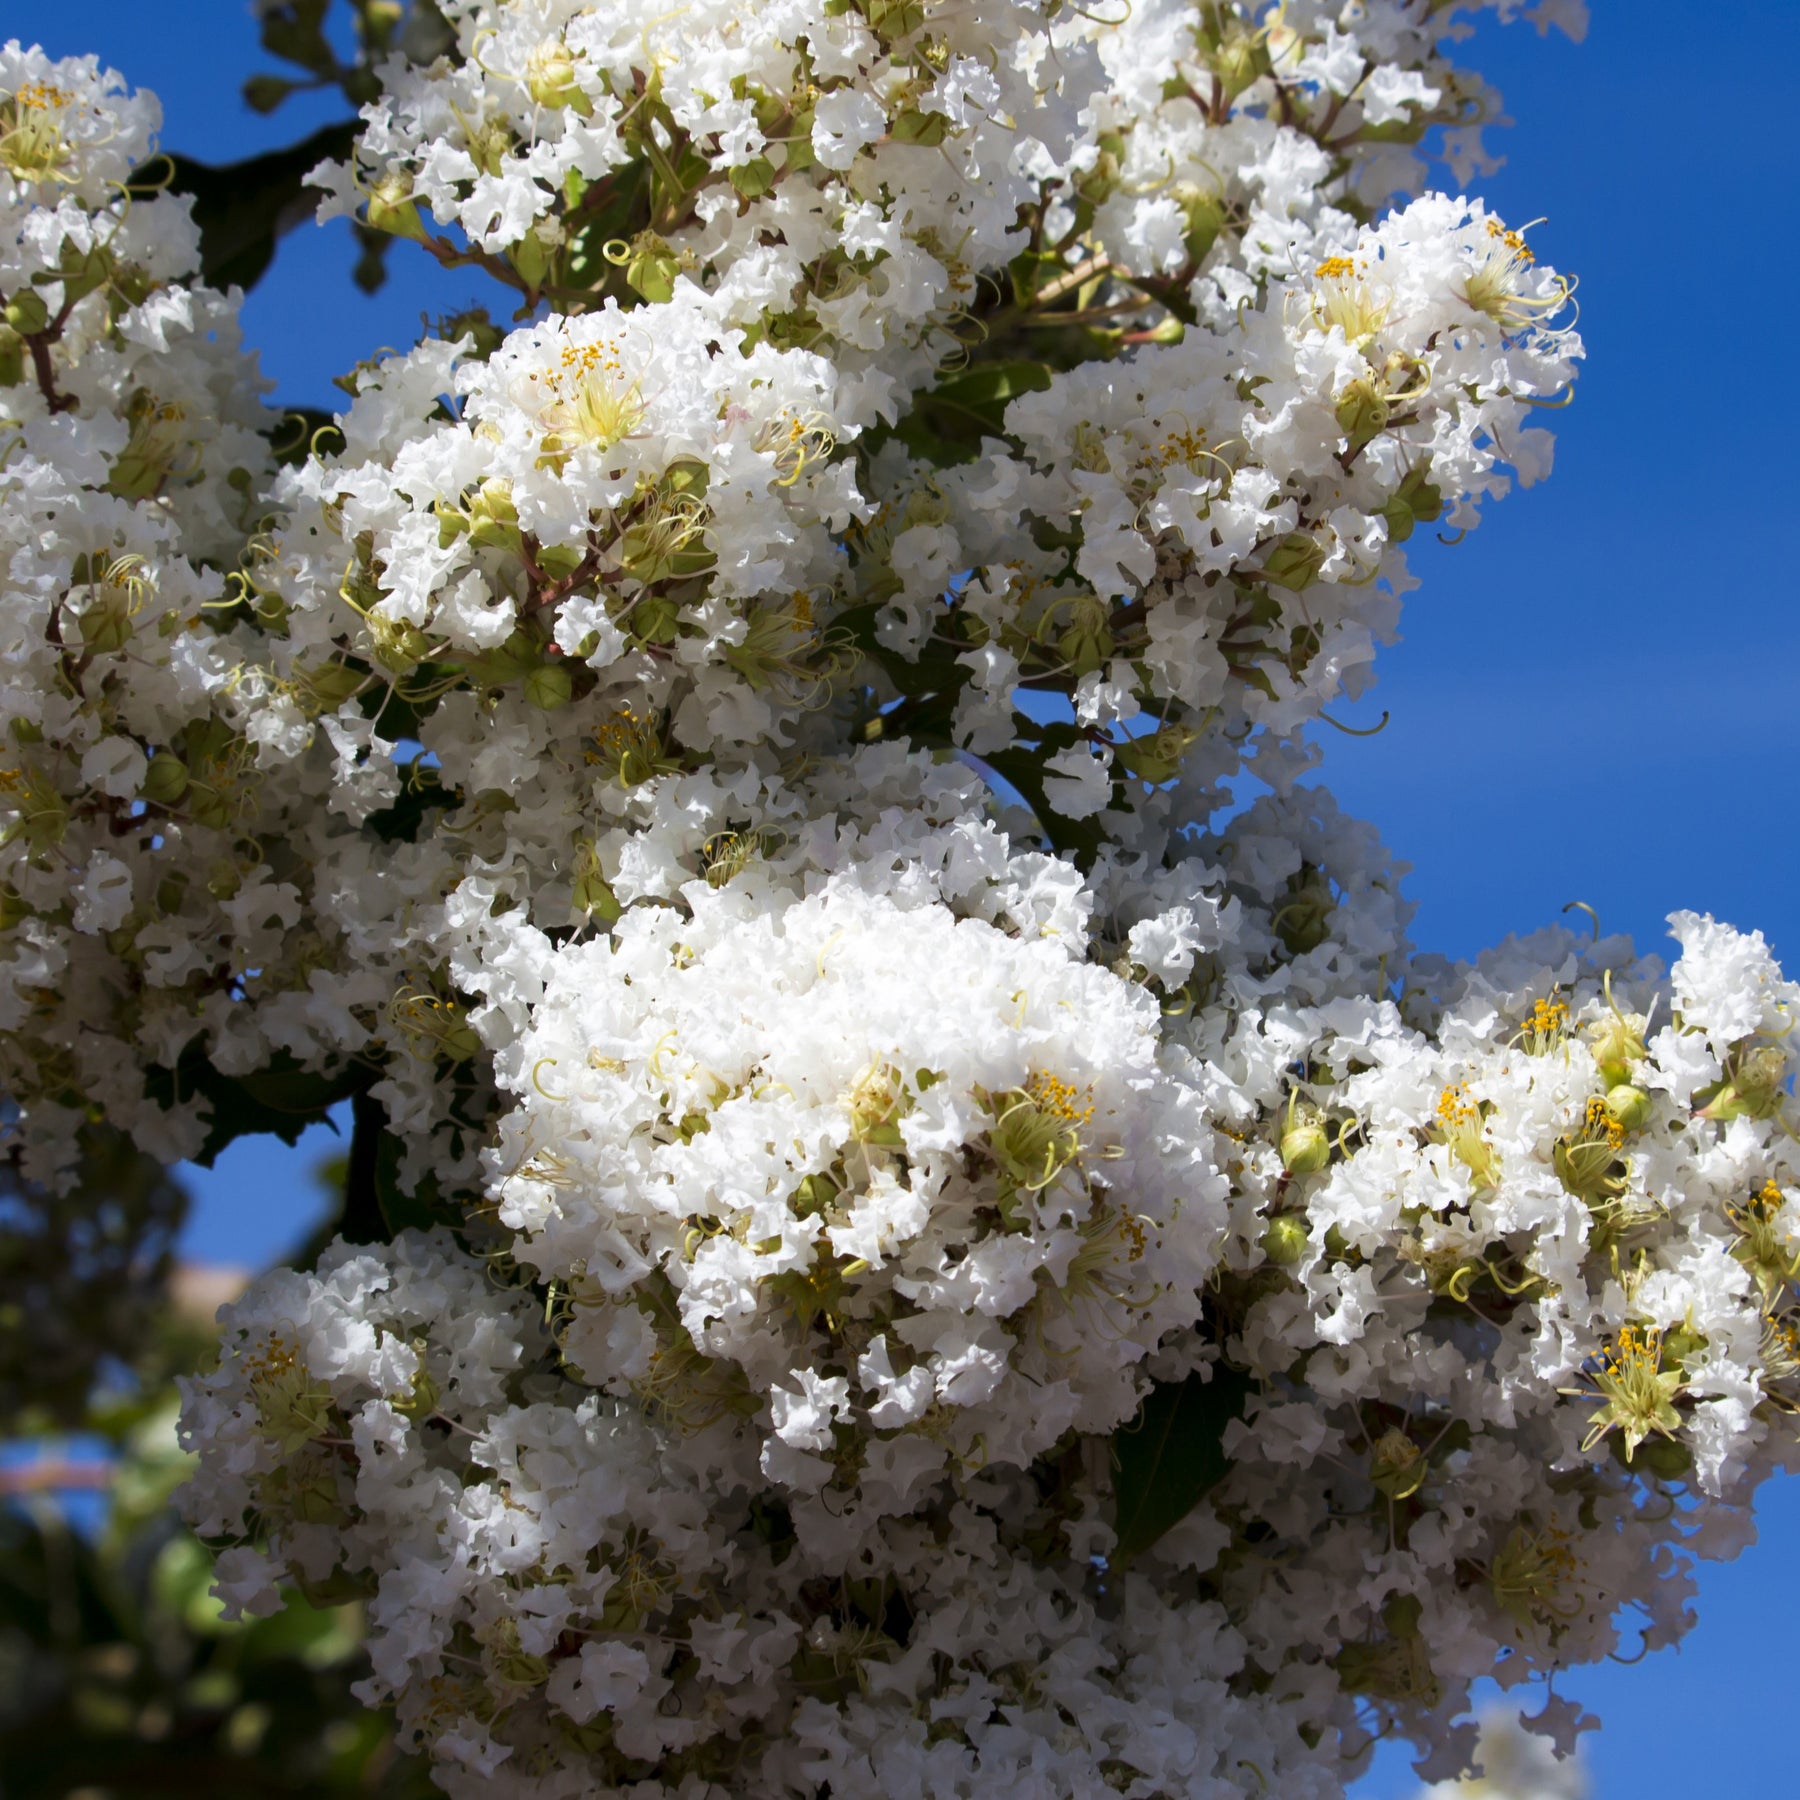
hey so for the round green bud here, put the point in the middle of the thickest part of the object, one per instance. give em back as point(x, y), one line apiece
point(1284, 1241)
point(1203, 215)
point(1397, 1465)
point(12, 357)
point(391, 208)
point(106, 629)
point(1629, 1107)
point(1296, 561)
point(550, 78)
point(1362, 412)
point(1305, 1149)
point(165, 779)
point(26, 312)
point(549, 686)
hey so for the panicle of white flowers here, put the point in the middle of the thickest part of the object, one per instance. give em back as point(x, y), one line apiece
point(937, 1296)
point(131, 476)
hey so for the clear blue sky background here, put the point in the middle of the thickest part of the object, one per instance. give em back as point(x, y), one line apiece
point(1594, 698)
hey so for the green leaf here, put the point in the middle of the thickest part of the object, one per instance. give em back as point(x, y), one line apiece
point(377, 1204)
point(1023, 766)
point(294, 30)
point(1172, 1455)
point(282, 1099)
point(243, 207)
point(965, 408)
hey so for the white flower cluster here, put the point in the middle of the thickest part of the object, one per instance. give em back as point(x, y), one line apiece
point(868, 1212)
point(930, 1296)
point(131, 474)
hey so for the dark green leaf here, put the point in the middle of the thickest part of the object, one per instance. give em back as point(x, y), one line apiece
point(1172, 1455)
point(965, 408)
point(1023, 766)
point(378, 1205)
point(243, 207)
point(283, 1099)
point(295, 31)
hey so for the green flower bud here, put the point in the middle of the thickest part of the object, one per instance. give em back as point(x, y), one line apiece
point(1629, 1107)
point(1397, 1466)
point(493, 519)
point(263, 93)
point(1754, 1087)
point(650, 267)
point(12, 357)
point(1087, 643)
point(1415, 502)
point(1305, 1149)
point(1362, 413)
point(328, 687)
point(106, 627)
point(1296, 561)
point(1203, 215)
point(1304, 922)
point(1156, 756)
point(550, 78)
point(549, 686)
point(1284, 1241)
point(1240, 60)
point(391, 208)
point(26, 312)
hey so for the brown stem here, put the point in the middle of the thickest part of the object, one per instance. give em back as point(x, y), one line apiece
point(45, 372)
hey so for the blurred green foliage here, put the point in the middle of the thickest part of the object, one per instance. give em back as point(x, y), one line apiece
point(119, 1677)
point(82, 1278)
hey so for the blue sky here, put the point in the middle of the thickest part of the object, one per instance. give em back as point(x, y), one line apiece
point(1594, 698)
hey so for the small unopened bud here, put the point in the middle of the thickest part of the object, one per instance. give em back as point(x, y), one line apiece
point(391, 208)
point(106, 628)
point(1240, 60)
point(493, 518)
point(12, 357)
point(1397, 1465)
point(1628, 1106)
point(1296, 561)
point(1203, 215)
point(550, 78)
point(1284, 1241)
point(1362, 412)
point(1305, 1149)
point(165, 779)
point(26, 312)
point(1754, 1090)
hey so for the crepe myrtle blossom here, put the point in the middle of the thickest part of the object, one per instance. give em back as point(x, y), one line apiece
point(899, 1250)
